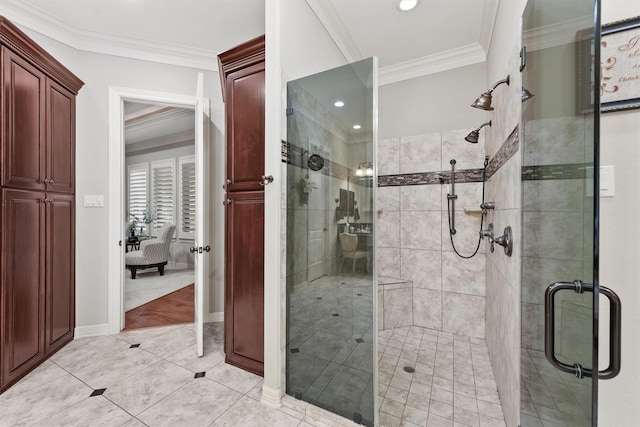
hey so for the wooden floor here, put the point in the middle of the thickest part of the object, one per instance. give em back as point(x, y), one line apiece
point(174, 308)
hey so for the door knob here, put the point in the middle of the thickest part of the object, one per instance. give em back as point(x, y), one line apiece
point(207, 248)
point(192, 249)
point(266, 180)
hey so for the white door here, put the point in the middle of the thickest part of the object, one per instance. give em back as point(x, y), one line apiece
point(200, 246)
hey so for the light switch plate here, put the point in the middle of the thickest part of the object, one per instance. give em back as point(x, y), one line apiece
point(607, 181)
point(94, 201)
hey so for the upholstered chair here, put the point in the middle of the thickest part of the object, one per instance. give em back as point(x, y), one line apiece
point(152, 253)
point(349, 243)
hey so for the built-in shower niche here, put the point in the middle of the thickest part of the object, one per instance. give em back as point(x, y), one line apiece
point(330, 316)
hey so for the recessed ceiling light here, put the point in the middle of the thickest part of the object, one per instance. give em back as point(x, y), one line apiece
point(339, 104)
point(407, 5)
point(356, 127)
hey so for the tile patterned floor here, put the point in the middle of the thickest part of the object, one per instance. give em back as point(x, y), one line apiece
point(153, 384)
point(549, 397)
point(453, 383)
point(151, 377)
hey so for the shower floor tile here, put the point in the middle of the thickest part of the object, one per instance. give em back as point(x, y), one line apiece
point(452, 382)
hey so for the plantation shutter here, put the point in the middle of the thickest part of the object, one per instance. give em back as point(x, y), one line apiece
point(138, 183)
point(163, 193)
point(187, 198)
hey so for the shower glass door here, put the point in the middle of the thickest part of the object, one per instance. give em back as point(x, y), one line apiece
point(330, 286)
point(559, 145)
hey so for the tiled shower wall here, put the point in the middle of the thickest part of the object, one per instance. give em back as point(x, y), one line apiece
point(503, 272)
point(447, 292)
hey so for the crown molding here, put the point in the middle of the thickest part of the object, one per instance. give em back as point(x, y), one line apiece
point(165, 142)
point(443, 61)
point(37, 20)
point(488, 22)
point(330, 20)
point(431, 64)
point(560, 34)
point(149, 121)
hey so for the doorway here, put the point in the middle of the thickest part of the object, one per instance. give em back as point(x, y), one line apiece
point(117, 220)
point(159, 201)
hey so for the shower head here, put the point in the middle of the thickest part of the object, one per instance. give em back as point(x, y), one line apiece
point(484, 101)
point(475, 134)
point(526, 95)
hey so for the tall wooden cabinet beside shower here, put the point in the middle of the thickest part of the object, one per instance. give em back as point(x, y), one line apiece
point(37, 298)
point(242, 77)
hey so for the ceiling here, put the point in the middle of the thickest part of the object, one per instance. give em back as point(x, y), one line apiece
point(437, 35)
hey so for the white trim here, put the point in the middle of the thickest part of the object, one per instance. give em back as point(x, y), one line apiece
point(91, 331)
point(443, 61)
point(93, 41)
point(271, 397)
point(115, 262)
point(418, 67)
point(488, 23)
point(554, 35)
point(331, 21)
point(217, 316)
point(273, 296)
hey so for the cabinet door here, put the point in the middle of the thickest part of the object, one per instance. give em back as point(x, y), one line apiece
point(244, 290)
point(60, 270)
point(22, 305)
point(60, 111)
point(23, 95)
point(245, 128)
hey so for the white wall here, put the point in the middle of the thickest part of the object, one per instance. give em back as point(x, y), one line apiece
point(433, 103)
point(99, 72)
point(620, 243)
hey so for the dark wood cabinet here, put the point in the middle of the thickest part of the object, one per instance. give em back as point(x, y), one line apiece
point(242, 77)
point(23, 292)
point(59, 270)
point(37, 296)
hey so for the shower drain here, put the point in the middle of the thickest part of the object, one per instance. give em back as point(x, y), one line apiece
point(409, 369)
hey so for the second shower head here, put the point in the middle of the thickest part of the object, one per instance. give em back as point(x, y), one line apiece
point(475, 134)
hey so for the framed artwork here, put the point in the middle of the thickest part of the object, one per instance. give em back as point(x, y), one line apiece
point(619, 67)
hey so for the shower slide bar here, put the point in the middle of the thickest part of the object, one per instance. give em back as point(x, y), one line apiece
point(451, 197)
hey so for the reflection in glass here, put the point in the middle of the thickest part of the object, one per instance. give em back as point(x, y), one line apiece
point(557, 137)
point(330, 322)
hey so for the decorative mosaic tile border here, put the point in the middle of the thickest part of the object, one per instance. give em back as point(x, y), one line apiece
point(556, 172)
point(293, 155)
point(506, 152)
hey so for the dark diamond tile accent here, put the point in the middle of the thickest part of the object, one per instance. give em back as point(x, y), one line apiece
point(359, 340)
point(318, 297)
point(199, 375)
point(134, 345)
point(335, 315)
point(98, 392)
point(359, 295)
point(295, 350)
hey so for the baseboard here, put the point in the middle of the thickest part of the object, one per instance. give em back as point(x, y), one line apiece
point(271, 397)
point(214, 317)
point(91, 331)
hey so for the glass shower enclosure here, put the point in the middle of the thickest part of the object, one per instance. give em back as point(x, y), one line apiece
point(330, 157)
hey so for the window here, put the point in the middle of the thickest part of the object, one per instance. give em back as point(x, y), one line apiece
point(163, 193)
point(138, 191)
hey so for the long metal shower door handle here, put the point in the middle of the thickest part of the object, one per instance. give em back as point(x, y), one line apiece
point(615, 327)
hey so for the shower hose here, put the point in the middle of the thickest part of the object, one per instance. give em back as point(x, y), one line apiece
point(484, 179)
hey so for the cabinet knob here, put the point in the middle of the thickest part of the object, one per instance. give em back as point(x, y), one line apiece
point(226, 202)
